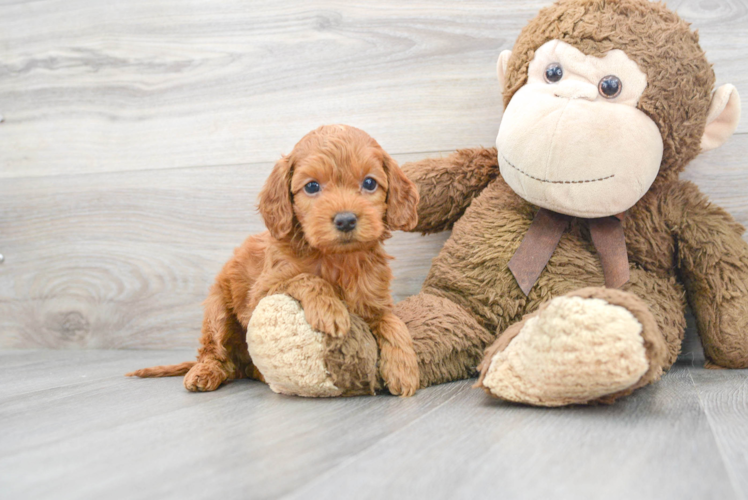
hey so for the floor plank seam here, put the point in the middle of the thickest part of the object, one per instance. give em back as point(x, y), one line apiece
point(192, 167)
point(355, 456)
point(730, 473)
point(110, 428)
point(71, 384)
point(63, 386)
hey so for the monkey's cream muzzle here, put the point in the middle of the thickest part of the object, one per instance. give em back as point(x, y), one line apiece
point(566, 147)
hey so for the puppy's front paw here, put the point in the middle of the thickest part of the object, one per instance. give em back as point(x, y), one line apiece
point(399, 370)
point(204, 377)
point(328, 315)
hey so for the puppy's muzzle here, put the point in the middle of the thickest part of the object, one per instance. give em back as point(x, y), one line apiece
point(345, 221)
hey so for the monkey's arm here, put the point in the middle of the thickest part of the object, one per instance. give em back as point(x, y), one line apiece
point(447, 185)
point(713, 261)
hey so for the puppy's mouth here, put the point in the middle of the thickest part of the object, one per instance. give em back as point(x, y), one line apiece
point(347, 243)
point(347, 240)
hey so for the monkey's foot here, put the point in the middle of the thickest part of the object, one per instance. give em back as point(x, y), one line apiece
point(593, 345)
point(296, 359)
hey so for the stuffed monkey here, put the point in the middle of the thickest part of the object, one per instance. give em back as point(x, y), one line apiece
point(575, 248)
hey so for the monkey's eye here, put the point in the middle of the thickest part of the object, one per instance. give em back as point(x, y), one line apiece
point(369, 185)
point(553, 73)
point(311, 187)
point(610, 86)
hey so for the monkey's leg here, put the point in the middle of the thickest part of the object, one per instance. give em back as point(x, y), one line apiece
point(448, 340)
point(713, 262)
point(726, 346)
point(296, 359)
point(591, 345)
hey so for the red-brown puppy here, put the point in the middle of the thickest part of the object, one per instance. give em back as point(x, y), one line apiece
point(328, 206)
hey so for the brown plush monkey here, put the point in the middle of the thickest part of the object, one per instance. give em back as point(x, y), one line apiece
point(606, 102)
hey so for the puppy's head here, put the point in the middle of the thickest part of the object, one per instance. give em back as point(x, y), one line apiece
point(339, 188)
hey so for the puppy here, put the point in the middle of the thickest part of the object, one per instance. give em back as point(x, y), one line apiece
point(327, 206)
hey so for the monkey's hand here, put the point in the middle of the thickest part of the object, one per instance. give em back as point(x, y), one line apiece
point(729, 349)
point(713, 261)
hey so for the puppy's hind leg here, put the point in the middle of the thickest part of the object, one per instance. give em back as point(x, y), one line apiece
point(223, 353)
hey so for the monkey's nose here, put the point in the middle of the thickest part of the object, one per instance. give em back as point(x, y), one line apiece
point(573, 89)
point(345, 221)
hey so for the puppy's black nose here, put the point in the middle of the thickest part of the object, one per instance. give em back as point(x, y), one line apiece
point(345, 221)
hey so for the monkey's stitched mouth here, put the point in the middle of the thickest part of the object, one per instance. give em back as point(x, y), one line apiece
point(550, 181)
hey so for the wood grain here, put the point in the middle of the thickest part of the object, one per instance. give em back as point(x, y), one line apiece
point(137, 135)
point(44, 371)
point(105, 436)
point(122, 260)
point(89, 440)
point(107, 86)
point(724, 396)
point(642, 447)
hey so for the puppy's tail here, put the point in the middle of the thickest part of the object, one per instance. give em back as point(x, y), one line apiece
point(163, 371)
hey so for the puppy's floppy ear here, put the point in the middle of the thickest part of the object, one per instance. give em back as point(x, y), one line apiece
point(402, 197)
point(276, 206)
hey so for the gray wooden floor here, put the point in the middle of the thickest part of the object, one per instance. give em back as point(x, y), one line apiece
point(73, 427)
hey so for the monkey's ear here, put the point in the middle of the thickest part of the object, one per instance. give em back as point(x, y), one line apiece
point(501, 66)
point(723, 117)
point(402, 197)
point(275, 203)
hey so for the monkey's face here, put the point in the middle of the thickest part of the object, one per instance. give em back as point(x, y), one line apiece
point(572, 139)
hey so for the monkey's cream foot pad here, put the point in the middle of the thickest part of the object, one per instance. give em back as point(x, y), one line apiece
point(287, 351)
point(297, 360)
point(574, 351)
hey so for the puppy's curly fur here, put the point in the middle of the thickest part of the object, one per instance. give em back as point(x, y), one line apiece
point(331, 269)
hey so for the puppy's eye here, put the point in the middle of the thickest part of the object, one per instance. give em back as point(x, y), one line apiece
point(369, 185)
point(553, 73)
point(311, 187)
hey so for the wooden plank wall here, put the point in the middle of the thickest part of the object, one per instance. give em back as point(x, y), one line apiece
point(137, 134)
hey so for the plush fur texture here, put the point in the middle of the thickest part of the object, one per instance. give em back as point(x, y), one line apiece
point(681, 248)
point(575, 349)
point(330, 272)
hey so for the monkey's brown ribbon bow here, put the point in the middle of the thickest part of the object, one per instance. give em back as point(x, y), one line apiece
point(544, 234)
